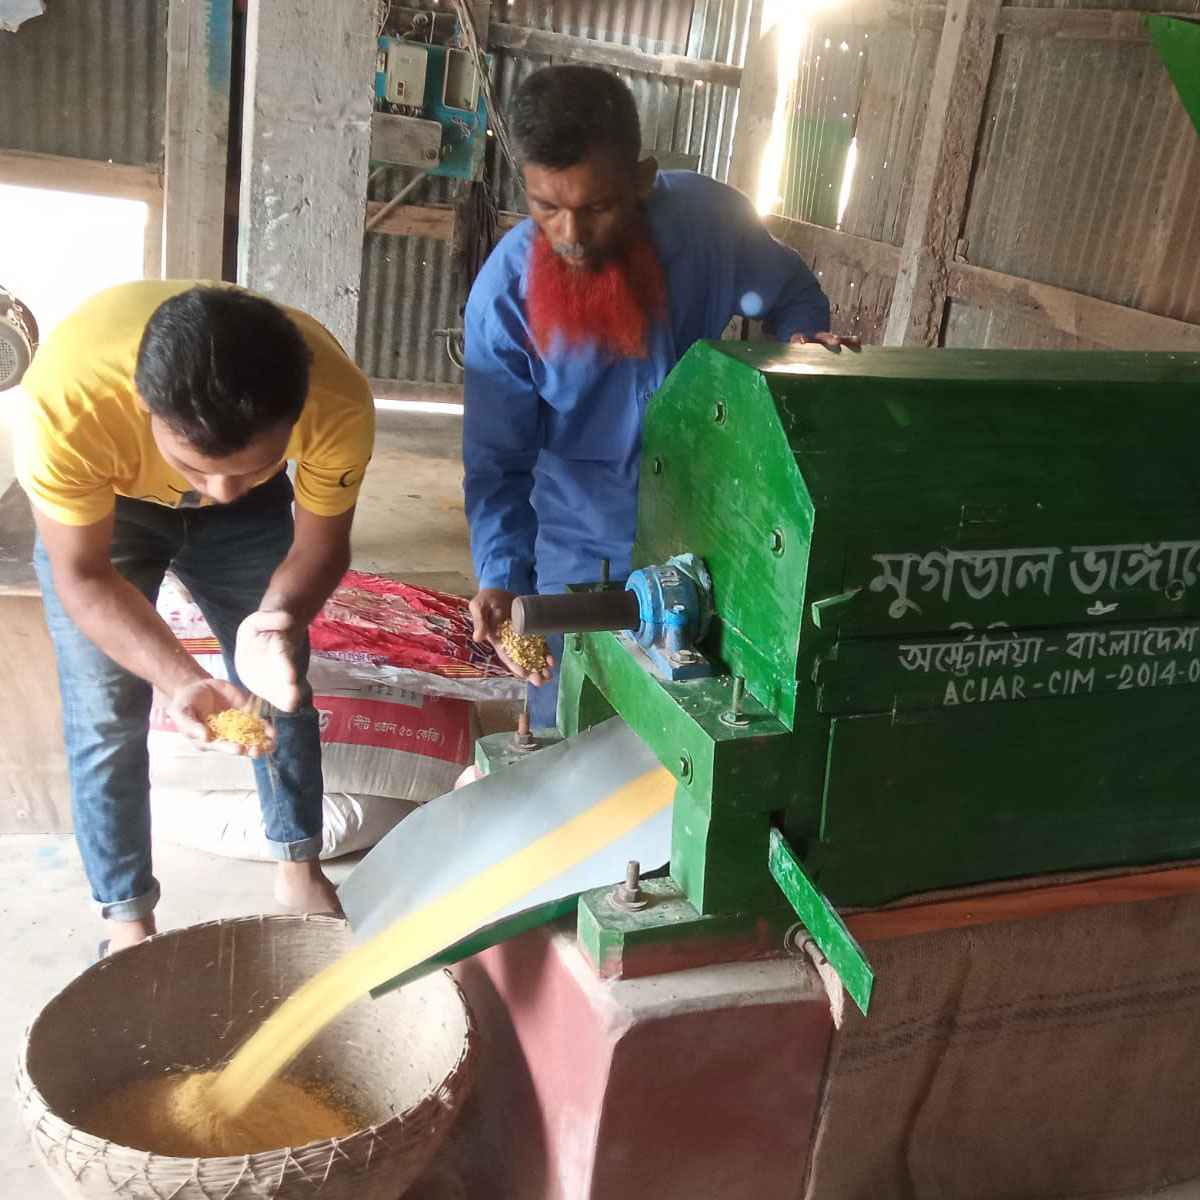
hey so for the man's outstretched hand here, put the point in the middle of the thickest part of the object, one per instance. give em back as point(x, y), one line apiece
point(264, 658)
point(833, 341)
point(489, 610)
point(191, 705)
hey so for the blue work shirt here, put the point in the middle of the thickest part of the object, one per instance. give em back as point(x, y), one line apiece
point(551, 446)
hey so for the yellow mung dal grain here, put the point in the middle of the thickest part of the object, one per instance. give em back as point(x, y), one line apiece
point(233, 725)
point(527, 650)
point(421, 934)
point(176, 1115)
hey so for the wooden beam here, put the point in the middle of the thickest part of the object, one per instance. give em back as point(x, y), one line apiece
point(1088, 24)
point(756, 106)
point(1113, 326)
point(816, 243)
point(1098, 322)
point(152, 245)
point(199, 49)
point(1020, 905)
point(858, 273)
point(415, 220)
point(306, 138)
point(89, 176)
point(428, 220)
point(961, 73)
point(521, 39)
point(912, 16)
point(1084, 24)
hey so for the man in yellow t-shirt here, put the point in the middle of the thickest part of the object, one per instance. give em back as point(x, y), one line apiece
point(158, 423)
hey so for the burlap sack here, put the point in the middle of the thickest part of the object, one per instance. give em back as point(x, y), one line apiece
point(1052, 1057)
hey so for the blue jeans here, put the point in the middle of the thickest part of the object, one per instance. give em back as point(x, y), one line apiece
point(543, 701)
point(225, 556)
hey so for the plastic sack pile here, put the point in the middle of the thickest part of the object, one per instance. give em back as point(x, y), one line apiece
point(394, 674)
point(380, 623)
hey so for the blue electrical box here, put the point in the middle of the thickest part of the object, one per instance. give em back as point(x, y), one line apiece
point(430, 109)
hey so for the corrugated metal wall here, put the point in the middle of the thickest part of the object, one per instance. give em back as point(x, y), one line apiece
point(677, 115)
point(869, 82)
point(408, 291)
point(1087, 172)
point(656, 25)
point(1109, 195)
point(396, 333)
point(87, 79)
point(1086, 176)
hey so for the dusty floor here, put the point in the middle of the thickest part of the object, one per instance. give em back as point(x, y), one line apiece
point(410, 520)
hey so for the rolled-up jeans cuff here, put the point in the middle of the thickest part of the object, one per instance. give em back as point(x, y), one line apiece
point(304, 851)
point(131, 910)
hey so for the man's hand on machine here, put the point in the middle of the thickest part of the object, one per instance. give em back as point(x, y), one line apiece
point(833, 341)
point(264, 658)
point(193, 703)
point(490, 609)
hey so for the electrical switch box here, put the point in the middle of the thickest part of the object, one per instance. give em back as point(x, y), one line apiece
point(460, 85)
point(404, 68)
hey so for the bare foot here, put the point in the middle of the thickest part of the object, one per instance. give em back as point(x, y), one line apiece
point(128, 933)
point(301, 887)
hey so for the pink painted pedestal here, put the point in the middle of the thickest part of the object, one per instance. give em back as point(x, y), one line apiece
point(698, 1083)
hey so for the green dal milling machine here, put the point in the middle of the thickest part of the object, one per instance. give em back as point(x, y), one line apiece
point(902, 620)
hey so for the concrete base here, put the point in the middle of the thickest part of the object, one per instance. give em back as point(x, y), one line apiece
point(702, 1082)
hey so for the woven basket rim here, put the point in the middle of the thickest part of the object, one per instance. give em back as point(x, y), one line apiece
point(38, 1114)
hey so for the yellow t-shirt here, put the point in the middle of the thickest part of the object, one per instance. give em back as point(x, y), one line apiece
point(82, 437)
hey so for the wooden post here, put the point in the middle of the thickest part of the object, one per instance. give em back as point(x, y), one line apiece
point(756, 106)
point(964, 65)
point(199, 39)
point(306, 136)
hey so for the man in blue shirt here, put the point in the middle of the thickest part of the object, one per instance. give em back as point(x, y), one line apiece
point(573, 323)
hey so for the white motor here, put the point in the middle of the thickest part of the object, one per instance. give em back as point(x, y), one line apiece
point(18, 339)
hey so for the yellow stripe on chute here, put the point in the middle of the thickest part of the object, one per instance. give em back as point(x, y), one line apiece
point(438, 924)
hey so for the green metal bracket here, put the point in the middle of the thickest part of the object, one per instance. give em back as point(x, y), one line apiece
point(822, 921)
point(820, 607)
point(1178, 42)
point(670, 933)
point(496, 750)
point(484, 939)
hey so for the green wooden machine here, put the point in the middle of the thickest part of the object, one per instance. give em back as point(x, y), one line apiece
point(941, 626)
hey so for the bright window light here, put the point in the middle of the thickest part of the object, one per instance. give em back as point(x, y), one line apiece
point(847, 180)
point(791, 19)
point(58, 248)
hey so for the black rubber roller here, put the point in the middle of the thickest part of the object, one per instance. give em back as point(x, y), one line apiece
point(575, 612)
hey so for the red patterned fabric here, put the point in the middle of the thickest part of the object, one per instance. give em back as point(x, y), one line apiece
point(376, 620)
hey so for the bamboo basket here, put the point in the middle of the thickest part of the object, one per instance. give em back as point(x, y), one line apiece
point(186, 1000)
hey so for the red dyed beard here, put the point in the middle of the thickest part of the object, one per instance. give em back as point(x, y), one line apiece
point(610, 307)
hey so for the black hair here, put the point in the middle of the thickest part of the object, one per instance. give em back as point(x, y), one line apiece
point(220, 366)
point(563, 114)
